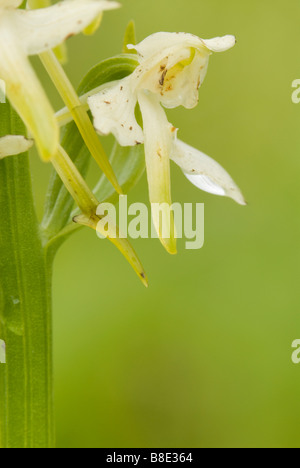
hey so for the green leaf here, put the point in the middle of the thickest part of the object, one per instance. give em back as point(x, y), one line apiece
point(59, 204)
point(129, 165)
point(111, 69)
point(129, 38)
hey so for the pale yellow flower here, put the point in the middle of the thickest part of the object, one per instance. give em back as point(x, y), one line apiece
point(171, 69)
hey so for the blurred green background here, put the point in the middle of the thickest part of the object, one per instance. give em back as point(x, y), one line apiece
point(202, 358)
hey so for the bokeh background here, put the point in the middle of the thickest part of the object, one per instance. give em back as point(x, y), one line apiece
point(202, 358)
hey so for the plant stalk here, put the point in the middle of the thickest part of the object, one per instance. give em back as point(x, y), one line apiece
point(79, 114)
point(26, 395)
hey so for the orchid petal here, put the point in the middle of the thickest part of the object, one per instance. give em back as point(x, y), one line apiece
point(158, 142)
point(27, 95)
point(174, 66)
point(205, 173)
point(113, 110)
point(151, 73)
point(10, 3)
point(181, 86)
point(94, 26)
point(11, 145)
point(159, 42)
point(45, 28)
point(220, 44)
point(175, 79)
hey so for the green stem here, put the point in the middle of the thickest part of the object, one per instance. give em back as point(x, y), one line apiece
point(26, 399)
point(74, 182)
point(79, 114)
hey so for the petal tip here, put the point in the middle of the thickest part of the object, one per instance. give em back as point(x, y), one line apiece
point(238, 197)
point(169, 245)
point(220, 44)
point(114, 5)
point(144, 279)
point(243, 203)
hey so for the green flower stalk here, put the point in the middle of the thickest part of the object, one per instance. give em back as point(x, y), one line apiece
point(79, 114)
point(26, 395)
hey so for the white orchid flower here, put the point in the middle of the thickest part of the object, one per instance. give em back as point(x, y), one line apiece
point(14, 144)
point(24, 33)
point(171, 69)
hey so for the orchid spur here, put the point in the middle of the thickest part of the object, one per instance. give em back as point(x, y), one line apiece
point(172, 67)
point(24, 33)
